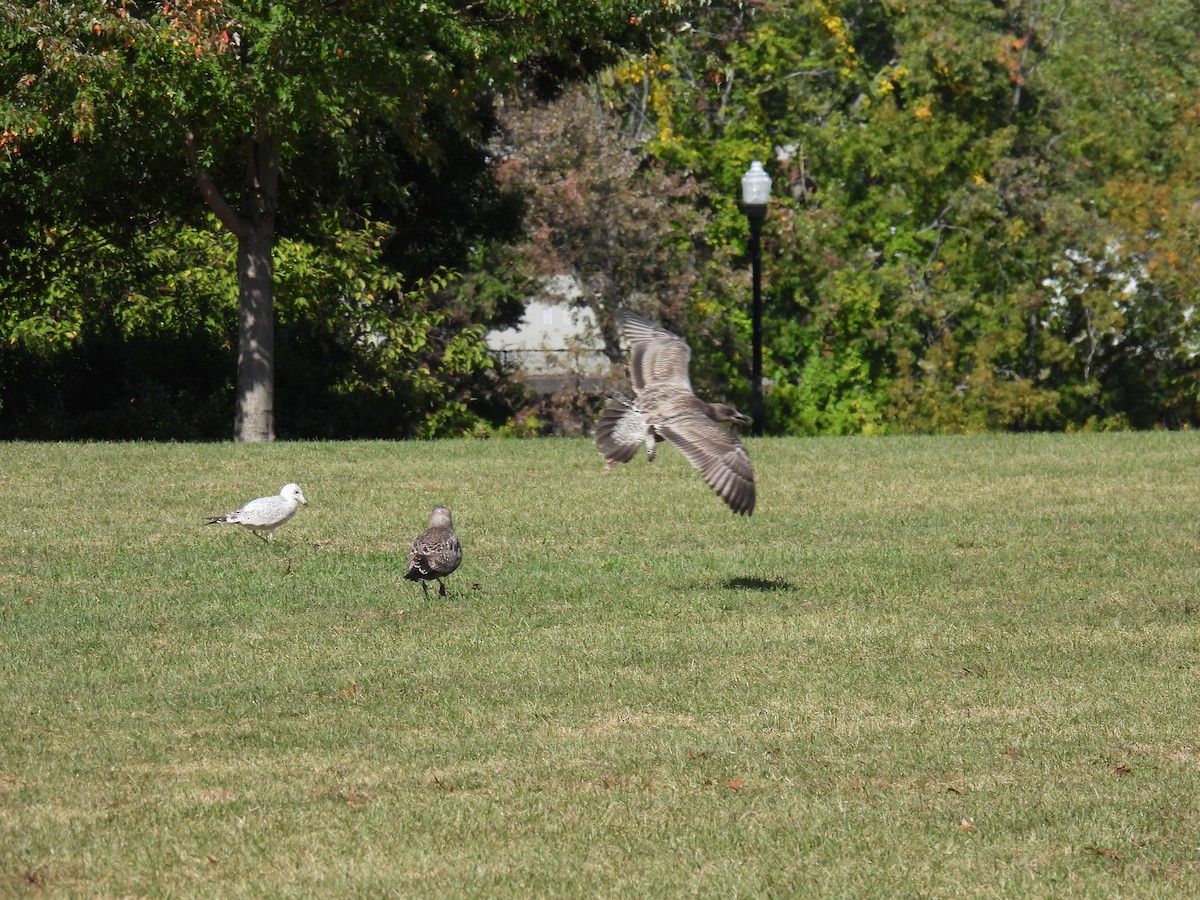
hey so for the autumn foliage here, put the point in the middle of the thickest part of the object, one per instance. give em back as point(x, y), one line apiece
point(984, 215)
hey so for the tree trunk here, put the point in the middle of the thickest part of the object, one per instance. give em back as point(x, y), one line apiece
point(254, 419)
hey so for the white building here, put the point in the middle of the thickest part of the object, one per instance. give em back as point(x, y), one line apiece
point(556, 342)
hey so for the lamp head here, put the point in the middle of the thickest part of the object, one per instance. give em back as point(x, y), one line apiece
point(756, 189)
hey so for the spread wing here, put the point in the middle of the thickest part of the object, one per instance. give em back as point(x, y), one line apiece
point(717, 454)
point(656, 356)
point(668, 408)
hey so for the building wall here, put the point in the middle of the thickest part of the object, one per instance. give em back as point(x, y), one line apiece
point(554, 339)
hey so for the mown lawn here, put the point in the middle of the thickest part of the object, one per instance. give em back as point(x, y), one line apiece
point(925, 667)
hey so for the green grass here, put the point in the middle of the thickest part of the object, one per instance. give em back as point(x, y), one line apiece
point(925, 667)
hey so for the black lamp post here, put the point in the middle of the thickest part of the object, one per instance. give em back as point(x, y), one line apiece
point(756, 193)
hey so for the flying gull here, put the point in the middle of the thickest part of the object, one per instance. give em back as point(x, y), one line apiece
point(265, 513)
point(665, 407)
point(435, 552)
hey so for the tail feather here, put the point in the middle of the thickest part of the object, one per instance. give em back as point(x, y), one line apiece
point(621, 431)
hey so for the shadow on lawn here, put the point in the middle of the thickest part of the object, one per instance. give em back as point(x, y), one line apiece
point(756, 584)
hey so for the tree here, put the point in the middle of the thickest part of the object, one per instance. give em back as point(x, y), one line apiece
point(252, 96)
point(601, 211)
point(959, 238)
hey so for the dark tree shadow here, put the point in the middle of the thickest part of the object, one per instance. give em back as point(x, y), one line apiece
point(756, 584)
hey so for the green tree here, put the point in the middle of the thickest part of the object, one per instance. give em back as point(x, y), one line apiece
point(277, 112)
point(956, 241)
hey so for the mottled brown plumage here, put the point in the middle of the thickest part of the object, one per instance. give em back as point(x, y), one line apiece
point(665, 408)
point(435, 552)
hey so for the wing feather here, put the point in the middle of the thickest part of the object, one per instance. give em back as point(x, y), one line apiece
point(435, 552)
point(656, 356)
point(718, 455)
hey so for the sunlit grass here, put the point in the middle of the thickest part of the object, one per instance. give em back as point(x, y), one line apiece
point(936, 666)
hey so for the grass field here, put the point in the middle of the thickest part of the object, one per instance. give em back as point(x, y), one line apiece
point(925, 667)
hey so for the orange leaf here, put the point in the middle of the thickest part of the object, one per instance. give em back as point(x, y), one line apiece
point(1122, 769)
point(735, 784)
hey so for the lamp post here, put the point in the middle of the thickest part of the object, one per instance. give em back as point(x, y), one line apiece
point(756, 193)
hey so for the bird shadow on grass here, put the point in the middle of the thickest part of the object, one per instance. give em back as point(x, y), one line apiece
point(756, 584)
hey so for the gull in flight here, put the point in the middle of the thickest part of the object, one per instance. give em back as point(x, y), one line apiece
point(265, 513)
point(665, 408)
point(435, 552)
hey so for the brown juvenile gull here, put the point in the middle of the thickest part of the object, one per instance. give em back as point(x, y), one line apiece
point(435, 552)
point(665, 407)
point(265, 513)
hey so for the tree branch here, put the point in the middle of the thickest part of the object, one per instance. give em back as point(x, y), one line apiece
point(212, 194)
